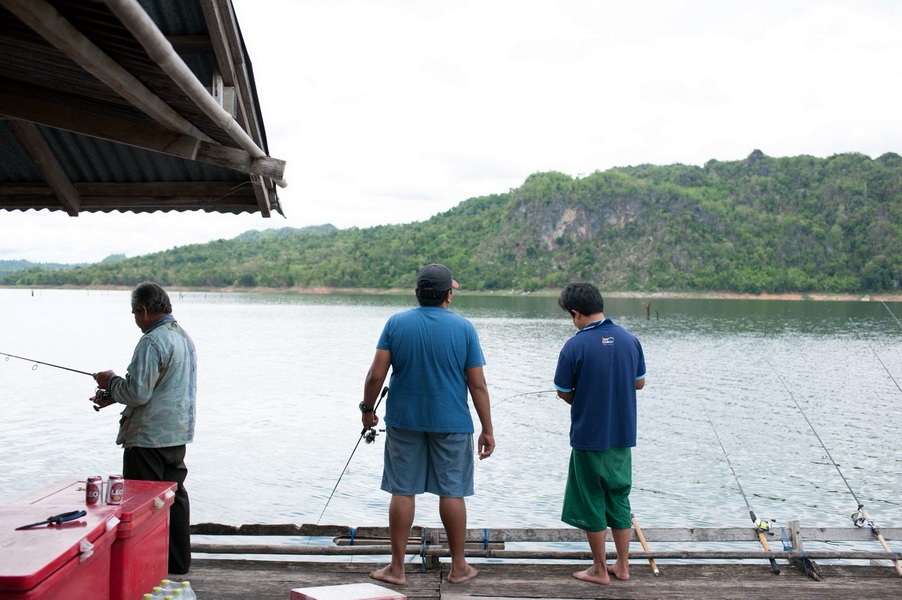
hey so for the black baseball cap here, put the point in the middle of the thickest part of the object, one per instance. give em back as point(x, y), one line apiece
point(435, 278)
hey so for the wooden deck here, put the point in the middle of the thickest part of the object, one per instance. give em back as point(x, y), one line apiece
point(692, 562)
point(270, 580)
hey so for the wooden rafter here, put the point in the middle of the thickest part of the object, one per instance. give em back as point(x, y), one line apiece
point(226, 47)
point(50, 25)
point(139, 136)
point(47, 165)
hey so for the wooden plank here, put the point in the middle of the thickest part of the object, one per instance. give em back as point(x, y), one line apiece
point(271, 580)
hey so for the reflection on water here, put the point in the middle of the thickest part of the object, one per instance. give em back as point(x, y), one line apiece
point(281, 375)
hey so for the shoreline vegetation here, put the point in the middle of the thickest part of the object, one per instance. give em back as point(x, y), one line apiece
point(324, 291)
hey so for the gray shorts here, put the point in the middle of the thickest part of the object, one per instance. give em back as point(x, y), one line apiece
point(424, 461)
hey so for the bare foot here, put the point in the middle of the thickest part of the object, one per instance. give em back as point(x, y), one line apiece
point(593, 575)
point(386, 574)
point(470, 573)
point(620, 573)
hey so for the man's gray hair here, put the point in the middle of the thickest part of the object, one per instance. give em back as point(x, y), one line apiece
point(152, 297)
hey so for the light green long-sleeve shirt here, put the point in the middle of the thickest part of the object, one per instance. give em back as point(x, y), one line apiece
point(158, 389)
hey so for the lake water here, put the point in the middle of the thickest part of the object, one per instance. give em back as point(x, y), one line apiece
point(280, 377)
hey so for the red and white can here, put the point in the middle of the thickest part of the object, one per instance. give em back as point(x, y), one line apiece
point(115, 489)
point(93, 490)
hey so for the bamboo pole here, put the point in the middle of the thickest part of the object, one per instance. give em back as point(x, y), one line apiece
point(642, 541)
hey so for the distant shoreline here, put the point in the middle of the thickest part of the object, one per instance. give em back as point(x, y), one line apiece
point(323, 290)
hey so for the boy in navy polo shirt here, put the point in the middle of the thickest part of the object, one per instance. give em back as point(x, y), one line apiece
point(598, 372)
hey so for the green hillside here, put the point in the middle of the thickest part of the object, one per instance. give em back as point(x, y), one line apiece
point(763, 224)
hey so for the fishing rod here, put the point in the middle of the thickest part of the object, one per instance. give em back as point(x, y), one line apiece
point(860, 517)
point(762, 526)
point(99, 395)
point(877, 356)
point(38, 362)
point(369, 435)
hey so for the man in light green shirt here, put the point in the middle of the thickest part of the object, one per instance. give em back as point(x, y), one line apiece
point(158, 392)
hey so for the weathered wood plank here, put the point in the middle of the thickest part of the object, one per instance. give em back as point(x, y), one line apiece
point(271, 580)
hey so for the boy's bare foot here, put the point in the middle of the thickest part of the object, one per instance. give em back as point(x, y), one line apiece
point(593, 575)
point(386, 574)
point(469, 573)
point(621, 573)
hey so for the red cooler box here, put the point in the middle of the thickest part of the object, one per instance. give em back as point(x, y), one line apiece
point(70, 561)
point(140, 553)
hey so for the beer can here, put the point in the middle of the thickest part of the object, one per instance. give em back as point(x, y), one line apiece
point(93, 490)
point(115, 489)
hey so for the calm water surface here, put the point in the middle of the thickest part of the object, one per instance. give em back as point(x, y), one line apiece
point(281, 376)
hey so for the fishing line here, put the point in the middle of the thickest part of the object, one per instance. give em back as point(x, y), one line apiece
point(899, 323)
point(762, 526)
point(369, 434)
point(524, 394)
point(877, 356)
point(814, 431)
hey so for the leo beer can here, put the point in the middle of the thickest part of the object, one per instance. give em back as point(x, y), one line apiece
point(93, 490)
point(115, 489)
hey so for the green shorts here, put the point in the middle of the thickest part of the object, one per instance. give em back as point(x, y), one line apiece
point(598, 489)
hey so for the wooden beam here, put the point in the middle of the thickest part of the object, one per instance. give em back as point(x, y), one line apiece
point(261, 192)
point(47, 22)
point(230, 56)
point(139, 136)
point(47, 165)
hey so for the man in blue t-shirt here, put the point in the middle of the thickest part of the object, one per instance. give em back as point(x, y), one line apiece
point(598, 372)
point(435, 359)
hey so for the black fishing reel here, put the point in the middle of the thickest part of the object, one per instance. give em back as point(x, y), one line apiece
point(102, 399)
point(369, 435)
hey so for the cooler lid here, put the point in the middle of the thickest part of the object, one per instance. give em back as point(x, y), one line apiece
point(138, 499)
point(140, 495)
point(32, 555)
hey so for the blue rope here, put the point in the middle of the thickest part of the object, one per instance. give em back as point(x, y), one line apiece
point(485, 539)
point(788, 547)
point(353, 535)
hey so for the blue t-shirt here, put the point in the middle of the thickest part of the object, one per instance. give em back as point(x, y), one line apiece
point(431, 349)
point(600, 365)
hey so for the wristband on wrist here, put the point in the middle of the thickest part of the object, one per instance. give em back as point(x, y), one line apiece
point(365, 410)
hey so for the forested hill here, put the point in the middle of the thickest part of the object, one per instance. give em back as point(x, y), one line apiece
point(763, 224)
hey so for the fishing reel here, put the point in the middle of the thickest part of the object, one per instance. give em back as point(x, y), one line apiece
point(860, 520)
point(102, 399)
point(369, 435)
point(764, 526)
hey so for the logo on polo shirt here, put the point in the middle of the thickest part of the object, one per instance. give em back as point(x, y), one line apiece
point(607, 341)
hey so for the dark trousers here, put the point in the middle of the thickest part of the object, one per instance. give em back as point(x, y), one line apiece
point(166, 464)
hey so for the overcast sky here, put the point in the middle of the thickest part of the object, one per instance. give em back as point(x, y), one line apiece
point(390, 111)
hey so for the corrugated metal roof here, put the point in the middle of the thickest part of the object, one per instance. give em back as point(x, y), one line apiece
point(69, 140)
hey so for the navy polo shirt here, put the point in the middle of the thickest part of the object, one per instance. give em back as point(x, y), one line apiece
point(600, 365)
